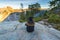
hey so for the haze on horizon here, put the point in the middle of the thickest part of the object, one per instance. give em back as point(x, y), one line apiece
point(16, 3)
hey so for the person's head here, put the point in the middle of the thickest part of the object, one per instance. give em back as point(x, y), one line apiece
point(30, 19)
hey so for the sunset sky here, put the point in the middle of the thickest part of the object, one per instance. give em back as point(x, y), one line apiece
point(16, 3)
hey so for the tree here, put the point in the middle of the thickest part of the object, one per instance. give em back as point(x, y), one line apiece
point(22, 15)
point(54, 3)
point(34, 8)
point(21, 5)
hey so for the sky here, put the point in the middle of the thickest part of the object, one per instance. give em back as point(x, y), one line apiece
point(16, 3)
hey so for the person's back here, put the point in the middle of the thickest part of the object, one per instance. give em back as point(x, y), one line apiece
point(30, 25)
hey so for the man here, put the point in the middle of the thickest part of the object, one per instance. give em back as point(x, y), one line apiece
point(30, 25)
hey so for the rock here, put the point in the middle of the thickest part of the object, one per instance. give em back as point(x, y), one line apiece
point(50, 26)
point(40, 33)
point(41, 22)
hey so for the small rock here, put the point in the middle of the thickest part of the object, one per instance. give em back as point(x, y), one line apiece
point(41, 22)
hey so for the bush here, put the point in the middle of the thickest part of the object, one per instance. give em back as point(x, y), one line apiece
point(36, 19)
point(22, 20)
point(46, 15)
point(57, 27)
point(53, 18)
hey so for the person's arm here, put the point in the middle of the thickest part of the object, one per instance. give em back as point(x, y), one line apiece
point(26, 24)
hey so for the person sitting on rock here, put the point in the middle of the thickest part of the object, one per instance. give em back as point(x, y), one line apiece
point(30, 25)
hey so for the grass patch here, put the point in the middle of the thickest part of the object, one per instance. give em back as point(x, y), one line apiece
point(22, 20)
point(36, 19)
point(53, 18)
point(57, 27)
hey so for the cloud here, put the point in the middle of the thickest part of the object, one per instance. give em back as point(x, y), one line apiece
point(19, 0)
point(16, 3)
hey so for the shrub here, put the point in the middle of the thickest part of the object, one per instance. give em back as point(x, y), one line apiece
point(57, 27)
point(36, 19)
point(53, 18)
point(22, 20)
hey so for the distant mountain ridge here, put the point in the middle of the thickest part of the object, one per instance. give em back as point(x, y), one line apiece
point(5, 12)
point(17, 10)
point(10, 9)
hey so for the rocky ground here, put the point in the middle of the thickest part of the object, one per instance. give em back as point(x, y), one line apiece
point(53, 25)
point(17, 31)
